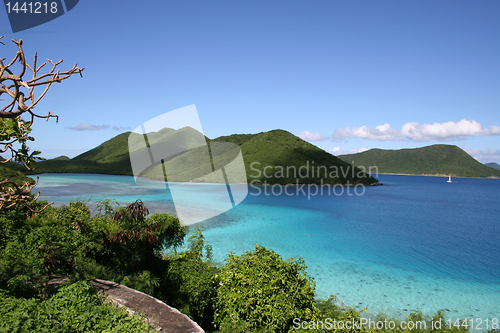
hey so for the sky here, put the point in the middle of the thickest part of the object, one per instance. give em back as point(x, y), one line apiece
point(344, 75)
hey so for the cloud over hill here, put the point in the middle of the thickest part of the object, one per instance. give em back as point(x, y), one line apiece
point(414, 131)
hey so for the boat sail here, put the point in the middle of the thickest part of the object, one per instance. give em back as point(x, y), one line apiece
point(449, 180)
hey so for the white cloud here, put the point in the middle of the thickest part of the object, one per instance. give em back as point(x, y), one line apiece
point(336, 151)
point(357, 150)
point(414, 131)
point(339, 151)
point(487, 155)
point(380, 133)
point(88, 127)
point(309, 136)
point(446, 131)
point(121, 129)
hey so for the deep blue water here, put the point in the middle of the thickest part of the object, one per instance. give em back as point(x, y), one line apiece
point(416, 242)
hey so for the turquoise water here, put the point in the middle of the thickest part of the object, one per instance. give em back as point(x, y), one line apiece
point(416, 242)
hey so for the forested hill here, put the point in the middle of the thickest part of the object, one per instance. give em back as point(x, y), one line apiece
point(430, 160)
point(277, 150)
point(13, 172)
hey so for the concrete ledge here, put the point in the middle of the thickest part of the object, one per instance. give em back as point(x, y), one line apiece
point(162, 317)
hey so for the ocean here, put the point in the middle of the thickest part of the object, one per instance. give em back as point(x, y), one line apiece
point(414, 243)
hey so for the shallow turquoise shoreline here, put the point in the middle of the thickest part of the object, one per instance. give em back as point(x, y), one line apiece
point(410, 244)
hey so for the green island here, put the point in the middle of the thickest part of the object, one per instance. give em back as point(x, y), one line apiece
point(434, 160)
point(276, 150)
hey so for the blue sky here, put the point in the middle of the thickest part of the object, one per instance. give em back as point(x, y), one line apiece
point(344, 75)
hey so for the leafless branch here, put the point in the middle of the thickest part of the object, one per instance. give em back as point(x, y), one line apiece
point(38, 79)
point(21, 100)
point(13, 194)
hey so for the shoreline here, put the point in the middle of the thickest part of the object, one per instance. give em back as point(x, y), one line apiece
point(377, 183)
point(435, 175)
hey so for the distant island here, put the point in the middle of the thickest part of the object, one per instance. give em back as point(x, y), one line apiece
point(273, 157)
point(493, 165)
point(434, 160)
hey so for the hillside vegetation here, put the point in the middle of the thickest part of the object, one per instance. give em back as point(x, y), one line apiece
point(282, 150)
point(288, 159)
point(430, 160)
point(13, 172)
point(111, 157)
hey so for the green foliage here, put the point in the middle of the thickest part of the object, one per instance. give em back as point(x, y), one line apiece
point(122, 245)
point(255, 292)
point(119, 245)
point(144, 281)
point(263, 291)
point(330, 309)
point(18, 130)
point(14, 172)
point(188, 284)
point(34, 246)
point(241, 326)
point(75, 307)
point(238, 139)
point(333, 317)
point(111, 157)
point(274, 149)
point(430, 160)
point(126, 247)
point(280, 149)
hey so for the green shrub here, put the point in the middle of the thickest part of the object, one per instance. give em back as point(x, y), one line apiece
point(333, 317)
point(75, 307)
point(262, 291)
point(119, 245)
point(188, 284)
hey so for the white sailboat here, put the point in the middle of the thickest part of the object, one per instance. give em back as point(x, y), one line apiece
point(449, 180)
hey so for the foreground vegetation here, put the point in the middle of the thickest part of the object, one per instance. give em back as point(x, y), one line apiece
point(75, 307)
point(257, 291)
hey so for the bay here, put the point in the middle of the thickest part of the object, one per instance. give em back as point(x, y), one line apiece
point(415, 243)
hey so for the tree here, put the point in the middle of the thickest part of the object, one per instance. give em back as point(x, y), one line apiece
point(14, 130)
point(260, 290)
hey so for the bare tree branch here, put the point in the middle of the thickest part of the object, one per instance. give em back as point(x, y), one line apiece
point(15, 194)
point(13, 90)
point(21, 99)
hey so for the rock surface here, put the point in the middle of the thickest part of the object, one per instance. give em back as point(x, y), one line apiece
point(161, 316)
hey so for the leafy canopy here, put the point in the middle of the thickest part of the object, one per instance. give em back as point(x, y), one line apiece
point(264, 291)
